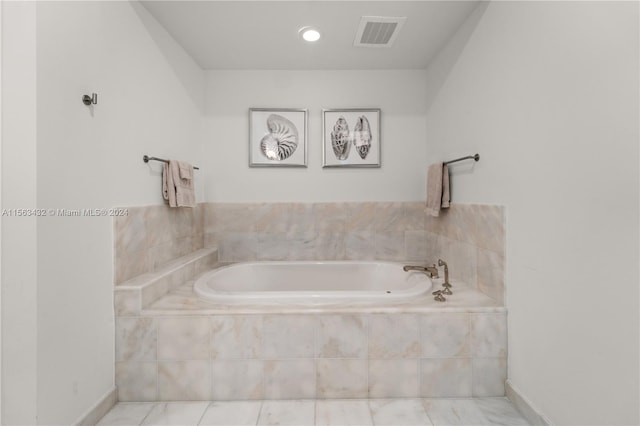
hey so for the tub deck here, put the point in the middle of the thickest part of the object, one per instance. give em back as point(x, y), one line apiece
point(184, 301)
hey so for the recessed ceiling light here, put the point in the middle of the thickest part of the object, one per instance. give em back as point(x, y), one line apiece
point(309, 34)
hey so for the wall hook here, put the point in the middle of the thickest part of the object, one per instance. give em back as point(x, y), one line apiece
point(88, 100)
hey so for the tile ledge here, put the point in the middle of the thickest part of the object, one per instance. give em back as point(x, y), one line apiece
point(149, 278)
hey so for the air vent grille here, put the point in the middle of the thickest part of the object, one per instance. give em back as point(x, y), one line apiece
point(378, 31)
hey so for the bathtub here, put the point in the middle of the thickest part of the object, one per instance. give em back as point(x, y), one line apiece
point(311, 282)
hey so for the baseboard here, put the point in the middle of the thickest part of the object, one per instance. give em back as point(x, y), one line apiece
point(95, 413)
point(524, 406)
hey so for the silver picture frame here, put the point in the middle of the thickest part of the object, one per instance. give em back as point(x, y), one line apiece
point(277, 137)
point(351, 137)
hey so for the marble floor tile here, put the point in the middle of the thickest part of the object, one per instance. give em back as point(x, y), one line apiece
point(327, 412)
point(126, 414)
point(473, 411)
point(398, 412)
point(454, 412)
point(232, 413)
point(176, 413)
point(287, 413)
point(500, 412)
point(343, 413)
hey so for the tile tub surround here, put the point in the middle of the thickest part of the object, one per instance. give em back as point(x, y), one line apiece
point(131, 296)
point(470, 238)
point(439, 353)
point(150, 237)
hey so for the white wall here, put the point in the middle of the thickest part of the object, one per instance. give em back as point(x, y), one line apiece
point(547, 93)
point(150, 100)
point(19, 237)
point(399, 94)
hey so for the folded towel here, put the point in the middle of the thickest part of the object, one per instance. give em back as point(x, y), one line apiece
point(168, 187)
point(185, 192)
point(178, 191)
point(186, 170)
point(437, 188)
point(446, 195)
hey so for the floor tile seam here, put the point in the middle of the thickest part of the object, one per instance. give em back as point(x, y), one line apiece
point(153, 406)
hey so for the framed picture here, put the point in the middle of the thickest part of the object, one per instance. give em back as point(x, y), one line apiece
point(277, 137)
point(351, 137)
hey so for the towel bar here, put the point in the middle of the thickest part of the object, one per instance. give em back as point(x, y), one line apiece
point(468, 157)
point(146, 159)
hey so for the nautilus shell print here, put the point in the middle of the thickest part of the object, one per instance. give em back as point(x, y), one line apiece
point(282, 139)
point(341, 139)
point(362, 137)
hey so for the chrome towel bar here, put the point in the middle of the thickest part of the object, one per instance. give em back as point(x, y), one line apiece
point(468, 157)
point(146, 159)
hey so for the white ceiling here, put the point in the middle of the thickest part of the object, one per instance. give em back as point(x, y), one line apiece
point(264, 34)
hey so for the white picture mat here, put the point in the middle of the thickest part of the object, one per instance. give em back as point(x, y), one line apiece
point(330, 117)
point(258, 129)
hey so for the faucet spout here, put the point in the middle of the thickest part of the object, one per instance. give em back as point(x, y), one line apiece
point(432, 271)
point(446, 270)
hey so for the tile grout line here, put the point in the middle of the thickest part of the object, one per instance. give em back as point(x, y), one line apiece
point(153, 406)
point(259, 412)
point(204, 412)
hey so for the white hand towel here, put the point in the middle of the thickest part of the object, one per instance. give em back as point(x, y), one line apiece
point(446, 195)
point(437, 188)
point(168, 187)
point(186, 170)
point(185, 195)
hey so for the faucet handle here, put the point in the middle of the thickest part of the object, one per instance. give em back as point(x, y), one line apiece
point(438, 296)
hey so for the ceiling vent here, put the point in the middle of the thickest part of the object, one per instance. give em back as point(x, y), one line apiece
point(378, 31)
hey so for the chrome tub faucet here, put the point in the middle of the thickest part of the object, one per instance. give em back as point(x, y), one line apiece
point(432, 271)
point(445, 284)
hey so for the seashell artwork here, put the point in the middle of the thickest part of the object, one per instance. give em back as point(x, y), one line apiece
point(362, 137)
point(282, 139)
point(341, 139)
point(350, 130)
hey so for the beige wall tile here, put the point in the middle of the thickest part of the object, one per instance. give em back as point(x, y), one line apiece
point(360, 245)
point(489, 335)
point(342, 336)
point(491, 274)
point(386, 342)
point(332, 217)
point(184, 380)
point(445, 335)
point(393, 378)
point(342, 378)
point(137, 381)
point(445, 377)
point(489, 376)
point(130, 232)
point(290, 379)
point(131, 265)
point(136, 339)
point(390, 245)
point(238, 380)
point(183, 338)
point(289, 336)
point(236, 336)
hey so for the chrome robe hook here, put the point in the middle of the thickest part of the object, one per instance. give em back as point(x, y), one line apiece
point(90, 100)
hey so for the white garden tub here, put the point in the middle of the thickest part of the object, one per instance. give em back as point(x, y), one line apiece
point(311, 282)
